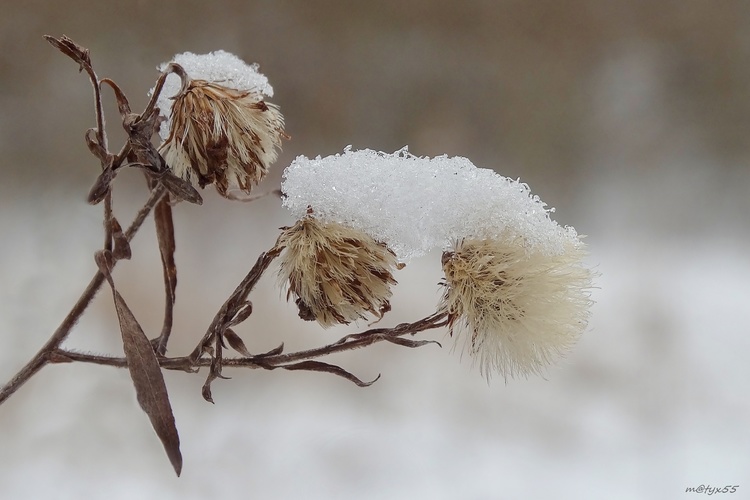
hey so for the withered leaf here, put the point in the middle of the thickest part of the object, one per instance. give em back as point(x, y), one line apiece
point(411, 343)
point(165, 236)
point(319, 366)
point(121, 248)
point(123, 106)
point(275, 351)
point(150, 389)
point(70, 49)
point(236, 343)
point(94, 146)
point(206, 389)
point(244, 312)
point(101, 187)
point(180, 189)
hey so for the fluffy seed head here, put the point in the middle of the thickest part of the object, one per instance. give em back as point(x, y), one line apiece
point(337, 274)
point(222, 136)
point(515, 310)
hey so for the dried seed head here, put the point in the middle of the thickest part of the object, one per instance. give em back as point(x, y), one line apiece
point(336, 273)
point(515, 311)
point(222, 136)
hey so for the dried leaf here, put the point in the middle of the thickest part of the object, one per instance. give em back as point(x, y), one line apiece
point(180, 189)
point(105, 262)
point(319, 366)
point(236, 343)
point(275, 351)
point(121, 249)
point(123, 105)
point(165, 236)
point(214, 371)
point(94, 146)
point(410, 343)
point(206, 389)
point(150, 389)
point(70, 49)
point(244, 312)
point(101, 187)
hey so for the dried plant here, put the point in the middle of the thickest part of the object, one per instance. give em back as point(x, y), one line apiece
point(519, 292)
point(520, 309)
point(338, 274)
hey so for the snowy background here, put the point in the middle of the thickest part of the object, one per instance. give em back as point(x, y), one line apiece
point(631, 118)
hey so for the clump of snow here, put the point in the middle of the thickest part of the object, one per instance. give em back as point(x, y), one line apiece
point(219, 67)
point(416, 205)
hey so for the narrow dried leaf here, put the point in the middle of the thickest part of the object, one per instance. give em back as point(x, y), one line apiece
point(214, 370)
point(101, 187)
point(94, 146)
point(275, 351)
point(236, 343)
point(411, 343)
point(206, 390)
point(165, 236)
point(123, 105)
point(150, 389)
point(181, 189)
point(70, 49)
point(244, 312)
point(105, 262)
point(319, 366)
point(121, 247)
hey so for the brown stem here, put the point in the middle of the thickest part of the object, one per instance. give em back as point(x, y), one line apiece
point(107, 221)
point(52, 345)
point(235, 301)
point(347, 343)
point(356, 341)
point(101, 134)
point(171, 68)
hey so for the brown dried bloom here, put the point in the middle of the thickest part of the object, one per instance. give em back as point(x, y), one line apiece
point(337, 273)
point(516, 311)
point(222, 136)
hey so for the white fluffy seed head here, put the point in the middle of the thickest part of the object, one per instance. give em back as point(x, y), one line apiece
point(337, 274)
point(513, 310)
point(222, 136)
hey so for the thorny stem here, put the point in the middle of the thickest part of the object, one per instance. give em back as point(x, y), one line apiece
point(46, 353)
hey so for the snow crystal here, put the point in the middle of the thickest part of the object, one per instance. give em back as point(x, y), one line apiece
point(415, 204)
point(219, 67)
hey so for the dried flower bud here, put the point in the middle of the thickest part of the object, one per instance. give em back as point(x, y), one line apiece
point(338, 274)
point(515, 311)
point(222, 136)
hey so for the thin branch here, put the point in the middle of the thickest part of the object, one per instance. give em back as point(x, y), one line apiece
point(107, 221)
point(236, 301)
point(355, 341)
point(275, 360)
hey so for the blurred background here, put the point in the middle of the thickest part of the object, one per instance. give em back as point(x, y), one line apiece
point(630, 117)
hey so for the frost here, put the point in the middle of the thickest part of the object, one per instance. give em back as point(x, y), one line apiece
point(218, 67)
point(415, 204)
